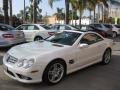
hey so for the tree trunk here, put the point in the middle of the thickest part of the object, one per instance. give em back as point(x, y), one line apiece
point(90, 15)
point(34, 11)
point(72, 16)
point(80, 20)
point(94, 16)
point(24, 19)
point(67, 12)
point(102, 14)
point(98, 13)
point(11, 19)
point(5, 8)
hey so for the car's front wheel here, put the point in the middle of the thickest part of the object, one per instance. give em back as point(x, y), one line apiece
point(54, 73)
point(106, 57)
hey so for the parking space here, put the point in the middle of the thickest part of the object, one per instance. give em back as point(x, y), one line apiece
point(96, 77)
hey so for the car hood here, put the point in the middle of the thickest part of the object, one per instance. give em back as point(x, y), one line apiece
point(35, 48)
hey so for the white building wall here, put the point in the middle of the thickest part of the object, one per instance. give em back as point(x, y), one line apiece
point(84, 21)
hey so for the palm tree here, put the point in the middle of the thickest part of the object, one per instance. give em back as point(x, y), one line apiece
point(79, 5)
point(35, 4)
point(5, 8)
point(10, 6)
point(59, 14)
point(21, 14)
point(92, 7)
point(66, 9)
point(29, 10)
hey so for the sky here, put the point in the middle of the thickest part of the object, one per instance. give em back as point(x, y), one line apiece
point(19, 5)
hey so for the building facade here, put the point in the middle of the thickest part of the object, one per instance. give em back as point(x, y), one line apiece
point(84, 21)
point(115, 13)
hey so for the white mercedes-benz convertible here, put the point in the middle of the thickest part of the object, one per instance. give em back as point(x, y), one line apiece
point(51, 59)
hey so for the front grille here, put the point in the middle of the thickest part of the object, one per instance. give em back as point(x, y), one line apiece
point(11, 59)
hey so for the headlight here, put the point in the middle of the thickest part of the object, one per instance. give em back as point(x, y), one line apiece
point(26, 63)
point(21, 63)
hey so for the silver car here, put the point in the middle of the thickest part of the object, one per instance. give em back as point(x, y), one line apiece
point(63, 27)
point(9, 36)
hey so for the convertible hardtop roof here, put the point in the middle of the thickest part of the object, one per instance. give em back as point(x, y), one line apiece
point(79, 31)
point(74, 31)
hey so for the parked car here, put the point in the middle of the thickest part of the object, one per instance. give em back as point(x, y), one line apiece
point(60, 27)
point(10, 36)
point(34, 32)
point(63, 53)
point(94, 29)
point(106, 28)
point(115, 30)
point(81, 27)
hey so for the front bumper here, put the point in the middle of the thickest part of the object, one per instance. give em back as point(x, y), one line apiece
point(23, 76)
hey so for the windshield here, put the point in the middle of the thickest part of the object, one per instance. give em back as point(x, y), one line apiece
point(107, 26)
point(46, 27)
point(65, 38)
point(6, 28)
point(118, 26)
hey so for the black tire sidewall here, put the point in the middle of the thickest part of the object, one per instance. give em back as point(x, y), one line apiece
point(45, 74)
point(40, 38)
point(103, 60)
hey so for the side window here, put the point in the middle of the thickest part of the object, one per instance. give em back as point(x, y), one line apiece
point(67, 28)
point(90, 38)
point(36, 28)
point(30, 27)
point(99, 38)
point(98, 25)
point(3, 28)
point(56, 27)
point(62, 27)
point(23, 27)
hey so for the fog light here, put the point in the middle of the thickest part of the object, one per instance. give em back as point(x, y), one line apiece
point(24, 77)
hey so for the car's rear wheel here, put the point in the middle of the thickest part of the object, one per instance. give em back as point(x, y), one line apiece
point(106, 57)
point(114, 34)
point(38, 38)
point(54, 73)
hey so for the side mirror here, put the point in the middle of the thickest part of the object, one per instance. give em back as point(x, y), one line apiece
point(83, 45)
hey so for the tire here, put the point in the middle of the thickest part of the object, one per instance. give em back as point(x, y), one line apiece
point(38, 38)
point(106, 57)
point(114, 35)
point(54, 72)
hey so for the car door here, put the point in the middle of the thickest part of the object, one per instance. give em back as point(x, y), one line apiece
point(30, 31)
point(90, 53)
point(23, 28)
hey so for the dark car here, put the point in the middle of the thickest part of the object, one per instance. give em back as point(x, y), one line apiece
point(107, 28)
point(94, 29)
